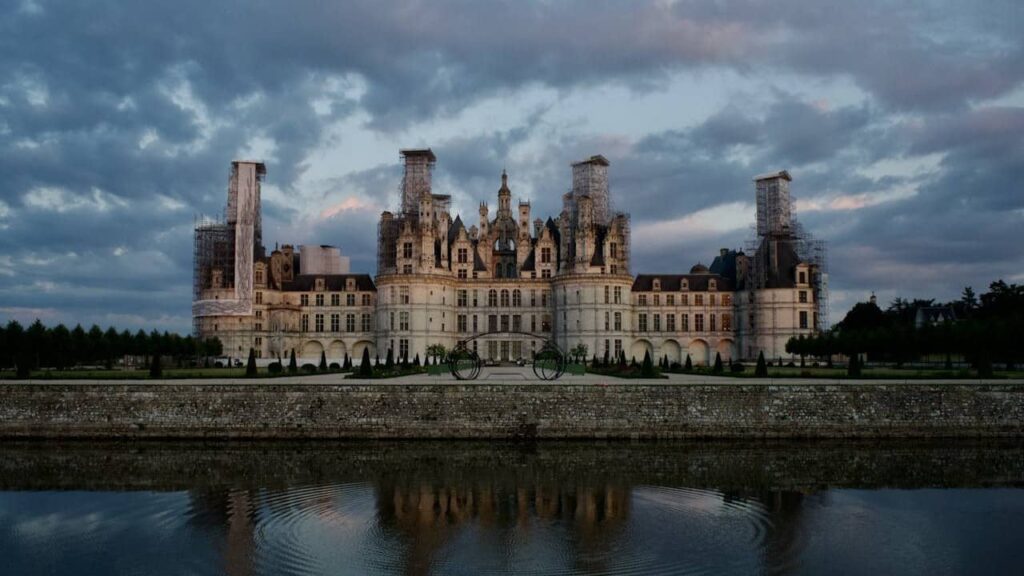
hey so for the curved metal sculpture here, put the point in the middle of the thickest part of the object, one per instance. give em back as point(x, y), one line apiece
point(464, 363)
point(549, 363)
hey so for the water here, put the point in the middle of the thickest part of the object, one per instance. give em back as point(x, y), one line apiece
point(500, 508)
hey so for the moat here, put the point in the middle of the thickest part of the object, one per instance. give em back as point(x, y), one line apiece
point(431, 507)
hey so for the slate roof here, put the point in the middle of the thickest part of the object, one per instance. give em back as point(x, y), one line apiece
point(332, 283)
point(672, 282)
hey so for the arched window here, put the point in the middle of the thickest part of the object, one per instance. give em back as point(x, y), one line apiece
point(517, 298)
point(492, 298)
point(511, 270)
point(504, 297)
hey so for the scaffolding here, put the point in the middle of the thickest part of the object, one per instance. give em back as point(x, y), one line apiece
point(774, 204)
point(590, 178)
point(416, 179)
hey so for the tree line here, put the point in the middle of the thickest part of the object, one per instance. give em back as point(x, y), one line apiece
point(38, 346)
point(985, 330)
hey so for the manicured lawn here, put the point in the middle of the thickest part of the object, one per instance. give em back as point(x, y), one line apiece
point(168, 374)
point(867, 373)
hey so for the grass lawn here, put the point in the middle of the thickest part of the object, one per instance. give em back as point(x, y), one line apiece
point(882, 373)
point(168, 374)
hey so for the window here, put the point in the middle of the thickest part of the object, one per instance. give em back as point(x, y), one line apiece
point(698, 322)
point(726, 322)
point(403, 320)
point(642, 300)
point(545, 273)
point(304, 300)
point(607, 325)
point(712, 284)
point(712, 323)
point(460, 298)
point(517, 298)
point(474, 298)
point(533, 298)
point(614, 269)
point(544, 299)
point(545, 255)
point(335, 322)
point(462, 256)
point(618, 294)
point(367, 323)
point(657, 299)
point(684, 285)
point(504, 322)
point(259, 313)
point(802, 277)
point(642, 325)
point(656, 284)
point(460, 322)
point(803, 318)
point(545, 323)
point(726, 299)
point(407, 269)
point(685, 318)
point(476, 325)
point(492, 298)
point(319, 285)
point(462, 273)
point(607, 291)
point(335, 299)
point(366, 300)
point(711, 299)
point(657, 322)
point(618, 321)
point(533, 323)
point(319, 299)
point(259, 327)
point(350, 299)
point(670, 322)
point(613, 249)
point(350, 322)
point(403, 294)
point(618, 348)
point(259, 277)
point(407, 250)
point(803, 296)
point(259, 297)
point(392, 321)
point(303, 323)
point(698, 299)
point(403, 348)
point(517, 323)
point(504, 298)
point(492, 322)
point(319, 319)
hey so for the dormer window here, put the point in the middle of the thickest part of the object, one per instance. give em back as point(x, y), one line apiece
point(319, 284)
point(684, 285)
point(712, 285)
point(350, 284)
point(802, 277)
point(657, 284)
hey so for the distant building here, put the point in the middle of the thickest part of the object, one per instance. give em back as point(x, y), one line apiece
point(505, 284)
point(933, 315)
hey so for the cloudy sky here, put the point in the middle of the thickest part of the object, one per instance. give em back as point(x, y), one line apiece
point(901, 123)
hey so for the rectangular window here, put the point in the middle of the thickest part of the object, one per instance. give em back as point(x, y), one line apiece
point(670, 322)
point(407, 250)
point(259, 297)
point(462, 273)
point(642, 322)
point(684, 299)
point(614, 250)
point(685, 318)
point(618, 347)
point(545, 323)
point(460, 322)
point(476, 325)
point(618, 294)
point(607, 291)
point(726, 322)
point(712, 323)
point(366, 300)
point(657, 322)
point(403, 348)
point(259, 326)
point(319, 319)
point(460, 298)
point(304, 300)
point(657, 299)
point(335, 322)
point(463, 255)
point(392, 324)
point(803, 296)
point(303, 323)
point(335, 299)
point(319, 299)
point(618, 321)
point(803, 278)
point(726, 300)
point(803, 318)
point(698, 322)
point(545, 273)
point(407, 269)
point(367, 323)
point(403, 294)
point(670, 300)
point(492, 323)
point(350, 322)
point(545, 255)
point(517, 323)
point(642, 300)
point(504, 322)
point(533, 297)
point(544, 299)
point(403, 320)
point(350, 299)
point(698, 299)
point(475, 298)
point(607, 325)
point(711, 299)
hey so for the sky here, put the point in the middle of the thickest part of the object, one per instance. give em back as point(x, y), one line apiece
point(900, 122)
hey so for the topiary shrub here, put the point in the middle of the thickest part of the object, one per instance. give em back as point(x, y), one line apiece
point(323, 361)
point(335, 366)
point(717, 368)
point(309, 368)
point(736, 368)
point(688, 367)
point(761, 371)
point(275, 368)
point(250, 365)
point(365, 369)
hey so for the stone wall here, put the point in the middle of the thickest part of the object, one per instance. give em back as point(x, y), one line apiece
point(262, 410)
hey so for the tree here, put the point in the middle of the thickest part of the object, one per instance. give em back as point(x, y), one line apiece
point(968, 299)
point(688, 367)
point(365, 370)
point(416, 361)
point(250, 366)
point(853, 367)
point(323, 361)
point(717, 369)
point(389, 362)
point(437, 351)
point(578, 352)
point(761, 371)
point(155, 370)
point(347, 365)
point(647, 368)
point(606, 359)
point(293, 366)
